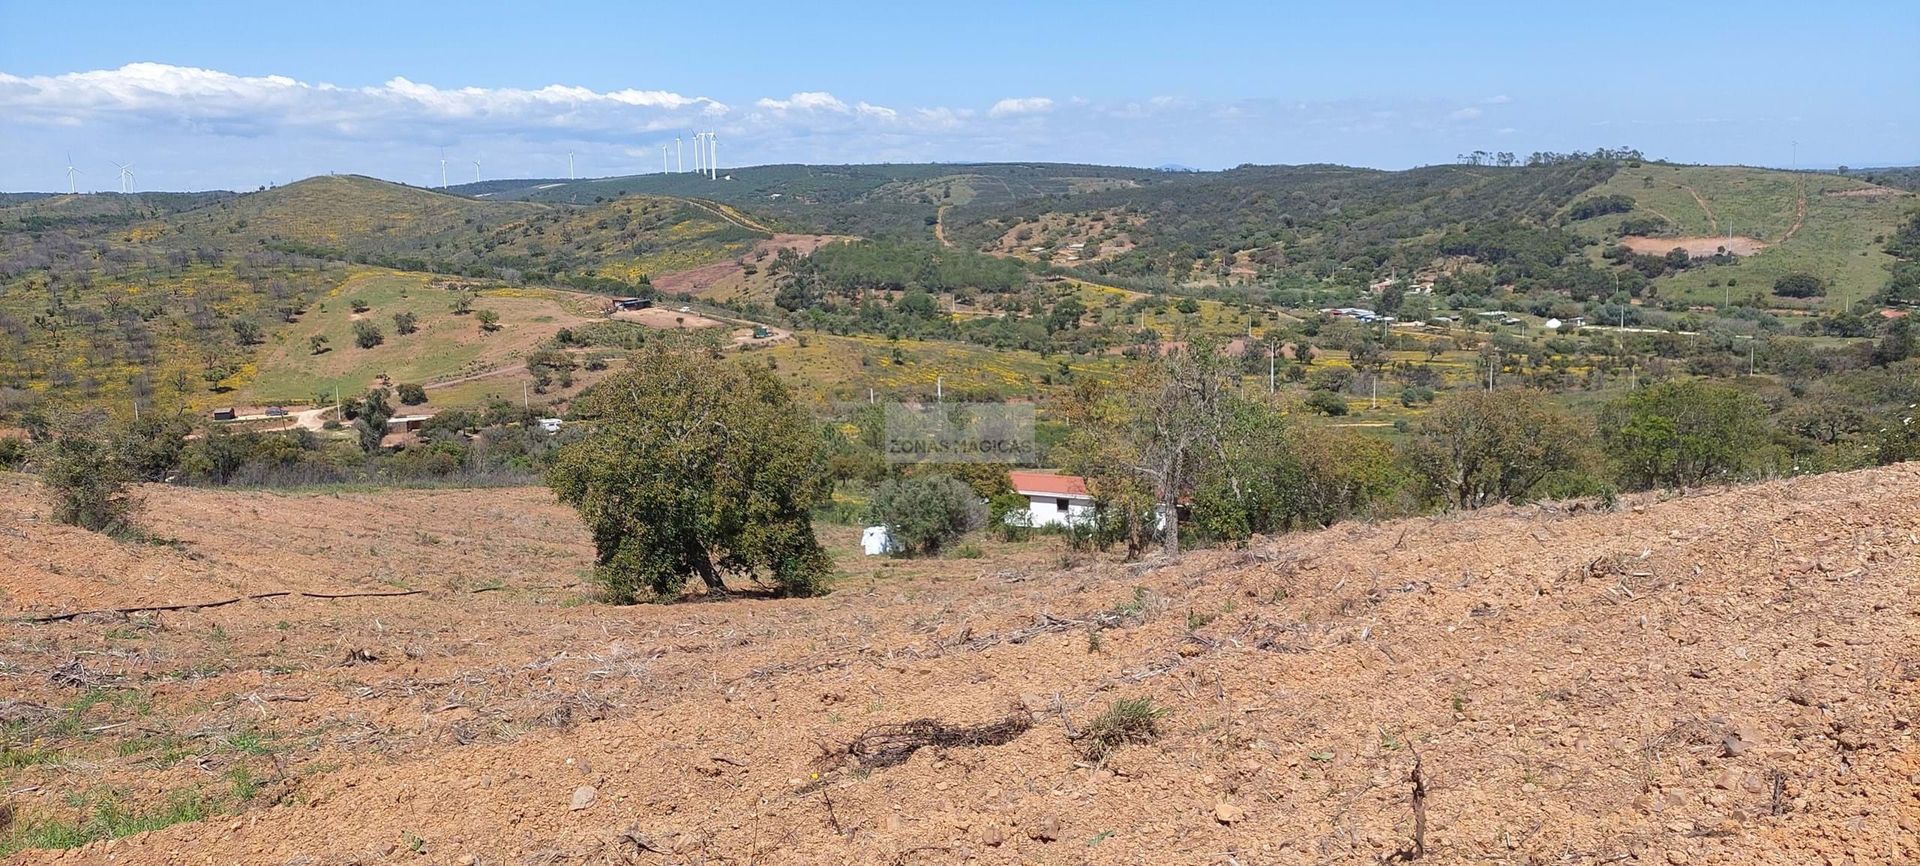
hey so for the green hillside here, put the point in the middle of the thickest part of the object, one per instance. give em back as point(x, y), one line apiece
point(370, 221)
point(1825, 225)
point(345, 214)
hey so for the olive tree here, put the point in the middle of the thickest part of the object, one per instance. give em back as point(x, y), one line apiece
point(1481, 447)
point(690, 466)
point(925, 513)
point(1682, 434)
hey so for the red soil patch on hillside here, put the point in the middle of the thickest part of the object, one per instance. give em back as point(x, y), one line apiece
point(1697, 247)
point(718, 275)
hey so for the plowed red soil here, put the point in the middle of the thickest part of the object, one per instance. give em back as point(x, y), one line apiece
point(1726, 677)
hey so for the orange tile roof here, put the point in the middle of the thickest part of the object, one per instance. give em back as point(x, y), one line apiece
point(1048, 483)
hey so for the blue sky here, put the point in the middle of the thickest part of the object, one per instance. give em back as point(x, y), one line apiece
point(229, 94)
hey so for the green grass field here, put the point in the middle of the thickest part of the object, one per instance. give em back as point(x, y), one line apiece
point(446, 346)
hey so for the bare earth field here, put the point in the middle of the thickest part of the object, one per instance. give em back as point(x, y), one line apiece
point(1697, 247)
point(1728, 677)
point(668, 318)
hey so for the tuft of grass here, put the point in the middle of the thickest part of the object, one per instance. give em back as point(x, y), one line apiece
point(968, 551)
point(1135, 607)
point(106, 818)
point(14, 759)
point(1126, 721)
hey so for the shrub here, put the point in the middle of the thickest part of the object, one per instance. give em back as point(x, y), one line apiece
point(1126, 721)
point(370, 422)
point(1478, 447)
point(405, 323)
point(1327, 403)
point(367, 335)
point(88, 485)
point(410, 394)
point(1599, 205)
point(1009, 516)
point(1649, 225)
point(924, 514)
point(1681, 434)
point(1799, 286)
point(489, 320)
point(358, 305)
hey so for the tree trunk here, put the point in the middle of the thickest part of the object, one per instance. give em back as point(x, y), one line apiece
point(1170, 541)
point(703, 565)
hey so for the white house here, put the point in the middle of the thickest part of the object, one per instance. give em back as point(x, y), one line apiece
point(1053, 500)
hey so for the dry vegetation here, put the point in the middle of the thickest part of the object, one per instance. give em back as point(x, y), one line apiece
point(1726, 678)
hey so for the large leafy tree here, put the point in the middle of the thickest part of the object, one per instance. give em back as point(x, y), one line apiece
point(1481, 447)
point(1144, 445)
point(1681, 434)
point(695, 466)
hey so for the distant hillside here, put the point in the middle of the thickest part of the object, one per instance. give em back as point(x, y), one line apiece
point(1255, 219)
point(371, 221)
point(42, 211)
point(344, 213)
point(865, 200)
point(1899, 177)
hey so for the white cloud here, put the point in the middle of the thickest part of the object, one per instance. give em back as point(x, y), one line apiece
point(1500, 99)
point(880, 111)
point(813, 100)
point(185, 94)
point(1465, 114)
point(1021, 105)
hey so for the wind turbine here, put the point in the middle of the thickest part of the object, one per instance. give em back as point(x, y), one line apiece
point(443, 168)
point(663, 159)
point(476, 171)
point(71, 171)
point(713, 164)
point(569, 165)
point(679, 156)
point(699, 147)
point(126, 176)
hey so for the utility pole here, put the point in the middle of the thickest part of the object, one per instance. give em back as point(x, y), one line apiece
point(1269, 370)
point(939, 389)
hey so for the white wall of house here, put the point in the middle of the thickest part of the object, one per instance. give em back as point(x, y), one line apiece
point(1050, 510)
